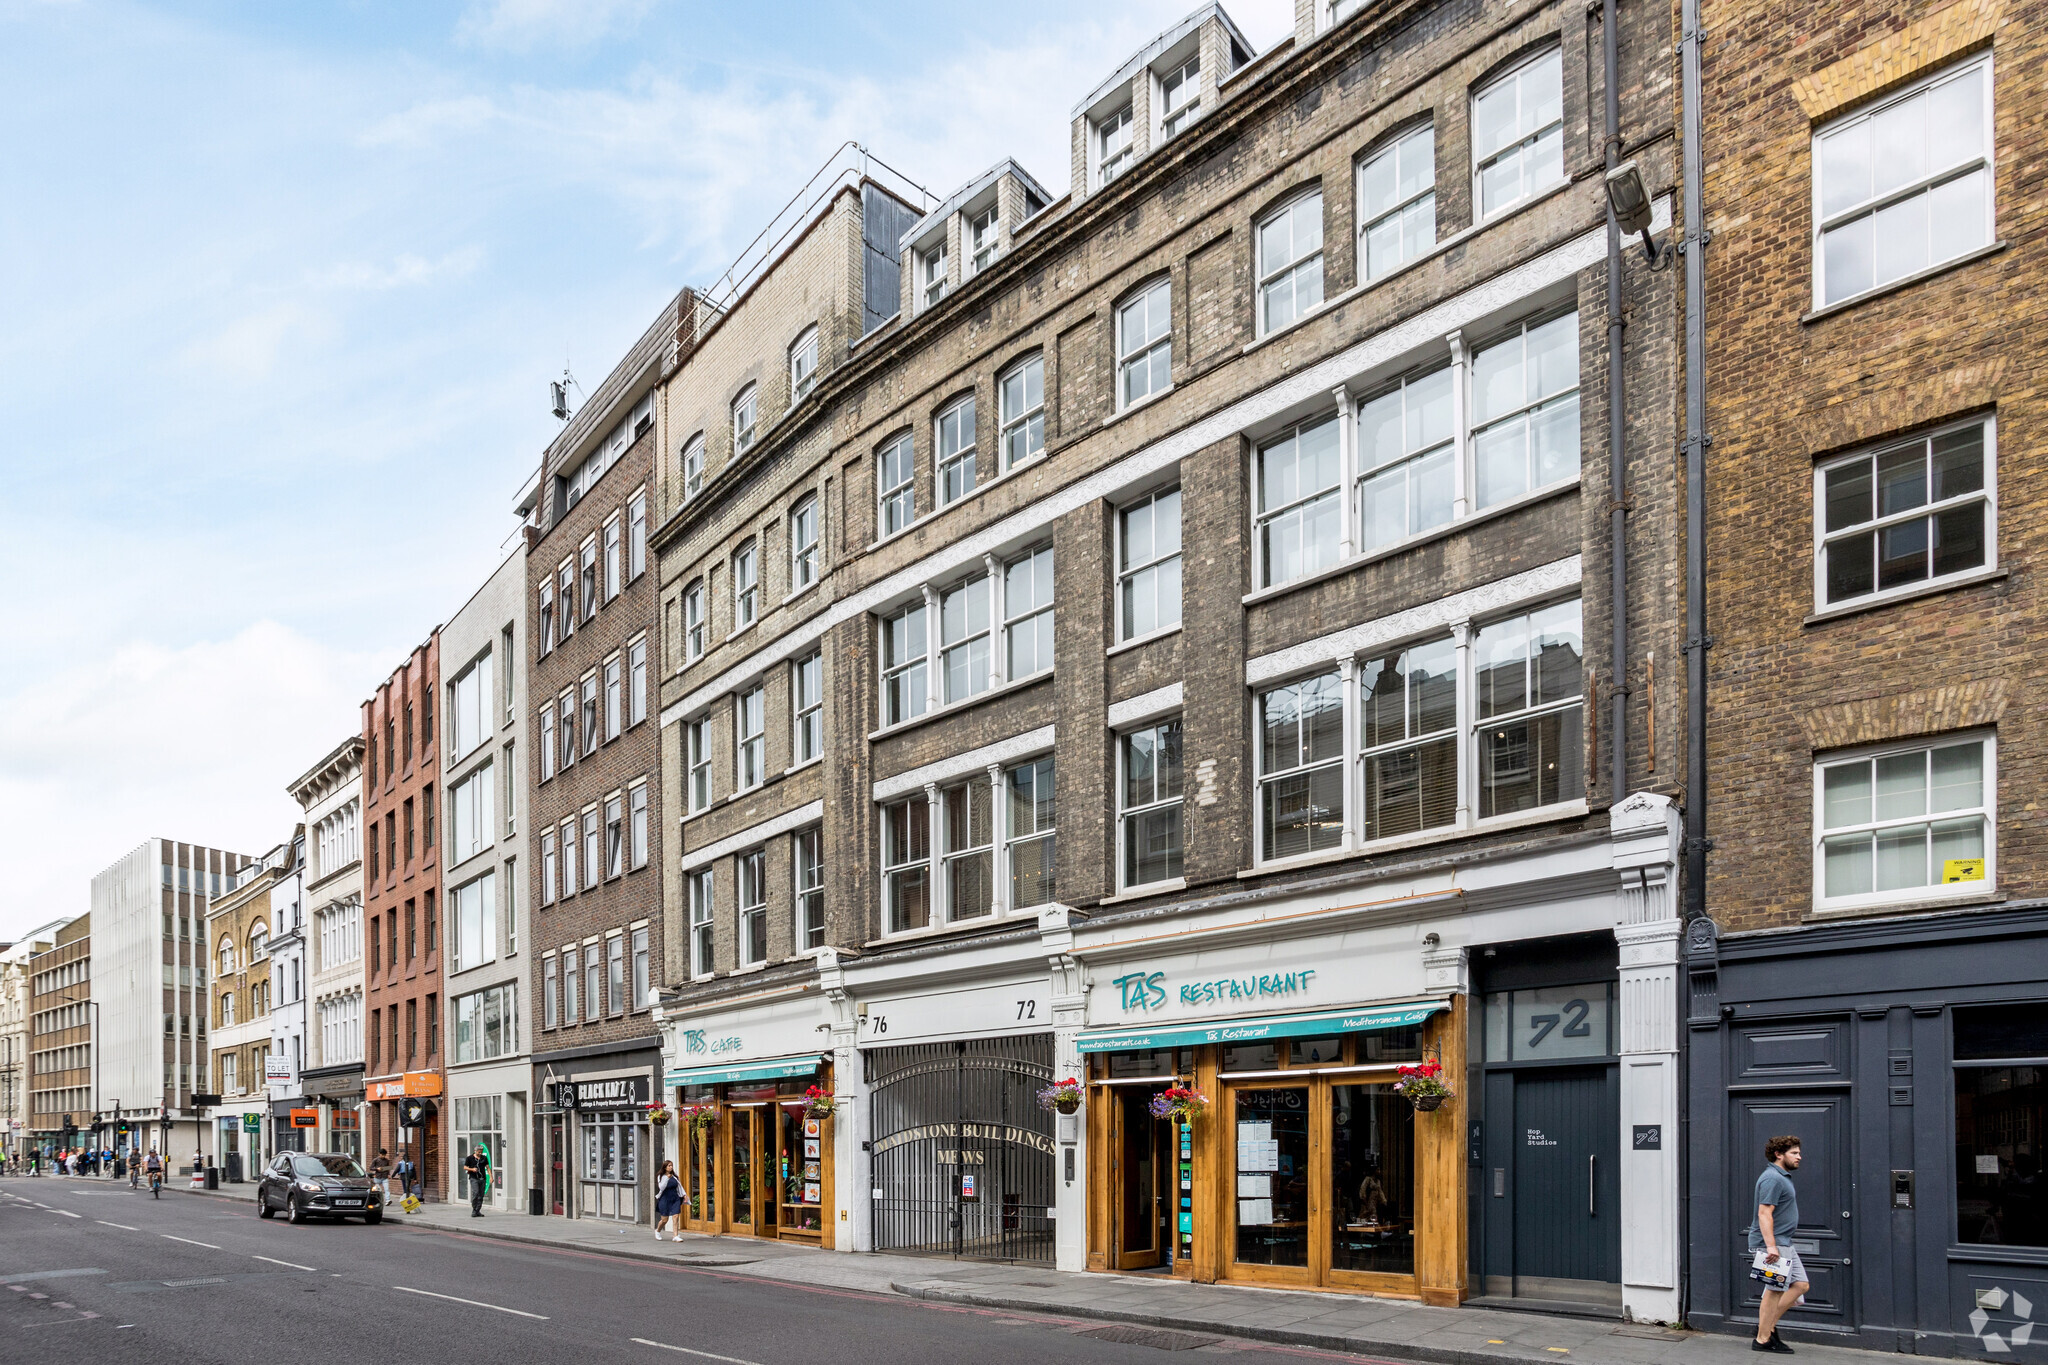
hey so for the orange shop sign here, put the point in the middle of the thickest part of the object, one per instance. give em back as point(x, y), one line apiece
point(305, 1118)
point(385, 1090)
point(415, 1083)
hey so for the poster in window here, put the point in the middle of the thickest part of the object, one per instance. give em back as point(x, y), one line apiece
point(1254, 1212)
point(810, 1170)
point(813, 1127)
point(810, 1148)
point(810, 1194)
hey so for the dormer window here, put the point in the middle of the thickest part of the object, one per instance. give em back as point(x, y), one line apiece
point(931, 274)
point(743, 420)
point(1113, 151)
point(981, 232)
point(1180, 96)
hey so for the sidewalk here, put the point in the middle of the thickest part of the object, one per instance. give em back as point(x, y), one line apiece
point(1174, 1310)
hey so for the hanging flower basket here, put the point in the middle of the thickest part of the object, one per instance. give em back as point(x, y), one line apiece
point(1422, 1085)
point(1181, 1103)
point(659, 1114)
point(819, 1103)
point(1062, 1097)
point(698, 1116)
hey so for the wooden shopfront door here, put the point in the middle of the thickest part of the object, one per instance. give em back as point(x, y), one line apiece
point(1141, 1176)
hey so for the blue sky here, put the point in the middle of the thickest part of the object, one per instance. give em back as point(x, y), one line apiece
point(281, 288)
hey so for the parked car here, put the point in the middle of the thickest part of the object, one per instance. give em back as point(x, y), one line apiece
point(318, 1184)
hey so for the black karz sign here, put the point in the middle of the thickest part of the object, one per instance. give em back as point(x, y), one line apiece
point(617, 1092)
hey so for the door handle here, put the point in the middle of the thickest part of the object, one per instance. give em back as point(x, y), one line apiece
point(1591, 1212)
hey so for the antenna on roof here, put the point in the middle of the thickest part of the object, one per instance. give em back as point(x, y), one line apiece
point(558, 392)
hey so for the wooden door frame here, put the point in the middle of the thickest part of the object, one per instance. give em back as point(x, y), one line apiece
point(1159, 1255)
point(1225, 1108)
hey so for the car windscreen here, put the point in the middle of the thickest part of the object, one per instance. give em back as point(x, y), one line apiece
point(314, 1167)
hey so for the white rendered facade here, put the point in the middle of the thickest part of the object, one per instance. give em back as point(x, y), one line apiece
point(331, 794)
point(287, 986)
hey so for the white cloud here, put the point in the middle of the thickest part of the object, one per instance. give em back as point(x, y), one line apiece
point(521, 25)
point(407, 269)
point(429, 121)
point(248, 347)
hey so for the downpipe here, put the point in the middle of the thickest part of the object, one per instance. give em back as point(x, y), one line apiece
point(1617, 430)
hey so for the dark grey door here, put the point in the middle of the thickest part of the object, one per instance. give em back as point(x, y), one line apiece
point(1824, 1238)
point(1566, 1190)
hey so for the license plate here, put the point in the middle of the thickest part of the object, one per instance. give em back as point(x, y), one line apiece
point(348, 1203)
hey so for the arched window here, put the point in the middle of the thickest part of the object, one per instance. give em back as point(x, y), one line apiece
point(259, 943)
point(227, 955)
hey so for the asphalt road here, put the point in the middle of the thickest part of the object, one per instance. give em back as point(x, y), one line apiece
point(93, 1271)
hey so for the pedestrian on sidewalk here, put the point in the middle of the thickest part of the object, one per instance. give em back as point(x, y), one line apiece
point(380, 1171)
point(1777, 1216)
point(474, 1169)
point(668, 1202)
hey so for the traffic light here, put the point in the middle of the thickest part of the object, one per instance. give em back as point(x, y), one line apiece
point(69, 1126)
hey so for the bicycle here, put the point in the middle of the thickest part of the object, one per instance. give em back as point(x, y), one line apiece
point(156, 1184)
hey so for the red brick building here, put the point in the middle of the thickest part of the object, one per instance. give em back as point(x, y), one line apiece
point(402, 907)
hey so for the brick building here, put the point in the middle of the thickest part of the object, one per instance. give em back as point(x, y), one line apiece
point(63, 1090)
point(1878, 985)
point(1200, 587)
point(402, 913)
point(241, 994)
point(594, 799)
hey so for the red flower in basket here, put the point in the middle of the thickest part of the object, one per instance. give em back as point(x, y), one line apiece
point(1422, 1084)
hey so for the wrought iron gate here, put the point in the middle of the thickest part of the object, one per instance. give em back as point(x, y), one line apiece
point(962, 1154)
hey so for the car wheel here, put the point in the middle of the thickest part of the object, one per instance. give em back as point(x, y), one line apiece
point(263, 1209)
point(373, 1218)
point(293, 1213)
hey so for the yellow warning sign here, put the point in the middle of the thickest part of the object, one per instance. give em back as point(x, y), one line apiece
point(1962, 870)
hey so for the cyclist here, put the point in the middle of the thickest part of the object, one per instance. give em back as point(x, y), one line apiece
point(155, 1166)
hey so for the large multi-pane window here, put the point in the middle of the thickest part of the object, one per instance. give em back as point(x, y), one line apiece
point(803, 544)
point(1148, 564)
point(1903, 184)
point(1904, 822)
point(1525, 410)
point(953, 451)
point(967, 812)
point(1301, 767)
point(743, 415)
point(2001, 1108)
point(1021, 392)
point(808, 847)
point(700, 922)
point(1299, 513)
point(905, 692)
point(1144, 344)
point(697, 735)
point(1180, 96)
point(1113, 151)
point(487, 1023)
point(896, 486)
point(1291, 262)
point(907, 863)
point(1518, 133)
point(471, 719)
point(750, 721)
point(1528, 675)
point(753, 907)
point(964, 639)
point(1030, 834)
point(1027, 614)
point(807, 706)
point(1397, 202)
point(746, 586)
point(1149, 803)
point(1914, 512)
point(1407, 450)
point(1408, 740)
point(693, 620)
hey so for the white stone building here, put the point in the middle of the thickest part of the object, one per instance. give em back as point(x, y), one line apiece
point(331, 794)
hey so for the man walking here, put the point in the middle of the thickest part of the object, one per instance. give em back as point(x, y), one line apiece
point(473, 1167)
point(380, 1171)
point(1777, 1217)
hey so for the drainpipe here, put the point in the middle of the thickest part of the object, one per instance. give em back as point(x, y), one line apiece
point(1617, 429)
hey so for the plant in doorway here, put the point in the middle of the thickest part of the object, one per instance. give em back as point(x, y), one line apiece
point(658, 1114)
point(1063, 1097)
point(1422, 1085)
point(819, 1103)
point(1180, 1103)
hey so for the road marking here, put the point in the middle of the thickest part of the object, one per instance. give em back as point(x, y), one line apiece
point(685, 1350)
point(293, 1264)
point(519, 1312)
point(66, 1212)
point(14, 1281)
point(123, 1226)
point(189, 1242)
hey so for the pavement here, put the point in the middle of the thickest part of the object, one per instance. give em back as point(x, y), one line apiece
point(1390, 1329)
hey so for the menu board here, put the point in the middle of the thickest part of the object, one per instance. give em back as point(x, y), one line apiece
point(1254, 1186)
point(1254, 1212)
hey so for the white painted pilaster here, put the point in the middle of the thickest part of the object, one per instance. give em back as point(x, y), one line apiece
point(1645, 830)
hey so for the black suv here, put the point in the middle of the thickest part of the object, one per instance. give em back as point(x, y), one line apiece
point(327, 1184)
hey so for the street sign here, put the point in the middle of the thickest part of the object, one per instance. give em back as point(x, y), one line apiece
point(252, 1123)
point(205, 1101)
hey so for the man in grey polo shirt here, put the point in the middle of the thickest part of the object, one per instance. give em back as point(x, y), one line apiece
point(1777, 1217)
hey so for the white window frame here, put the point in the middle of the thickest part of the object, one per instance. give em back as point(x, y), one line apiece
point(1526, 143)
point(1111, 145)
point(1293, 274)
point(547, 867)
point(931, 276)
point(1175, 118)
point(1299, 507)
point(807, 846)
point(1418, 141)
point(750, 738)
point(1933, 890)
point(803, 364)
point(1131, 353)
point(1986, 494)
point(1923, 187)
point(889, 497)
point(984, 238)
point(637, 825)
point(1022, 437)
point(614, 835)
point(614, 697)
point(697, 745)
point(953, 449)
point(694, 625)
point(547, 617)
point(918, 805)
point(636, 534)
point(568, 841)
point(1019, 615)
point(1128, 814)
point(693, 466)
point(750, 915)
point(1525, 413)
point(588, 585)
point(957, 645)
point(807, 708)
point(1008, 838)
point(614, 557)
point(593, 847)
point(551, 991)
point(1131, 575)
point(636, 681)
point(589, 718)
point(803, 543)
point(641, 970)
point(746, 586)
point(916, 671)
point(1413, 464)
point(745, 419)
point(982, 786)
point(702, 926)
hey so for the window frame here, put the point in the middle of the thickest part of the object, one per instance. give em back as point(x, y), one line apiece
point(918, 699)
point(614, 836)
point(1175, 120)
point(1986, 494)
point(1987, 811)
point(750, 917)
point(982, 237)
point(695, 625)
point(966, 591)
point(1524, 144)
point(963, 456)
point(547, 867)
point(614, 672)
point(636, 681)
point(1268, 277)
point(1014, 620)
point(1027, 423)
point(807, 709)
point(1008, 839)
point(903, 493)
point(804, 554)
point(745, 410)
point(803, 377)
point(1130, 354)
point(1127, 573)
point(703, 926)
point(1107, 162)
point(1262, 516)
point(916, 804)
point(1395, 145)
point(1126, 813)
point(613, 574)
point(1986, 161)
point(697, 749)
point(746, 587)
point(932, 276)
point(807, 873)
point(693, 466)
point(638, 825)
point(636, 534)
point(750, 745)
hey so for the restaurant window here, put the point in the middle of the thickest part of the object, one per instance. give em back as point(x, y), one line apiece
point(2001, 1113)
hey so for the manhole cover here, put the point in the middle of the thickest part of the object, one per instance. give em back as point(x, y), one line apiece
point(1155, 1337)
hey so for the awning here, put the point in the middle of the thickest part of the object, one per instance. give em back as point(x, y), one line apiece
point(773, 1070)
point(1267, 1026)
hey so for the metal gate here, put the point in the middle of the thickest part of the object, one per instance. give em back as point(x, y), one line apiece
point(961, 1152)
